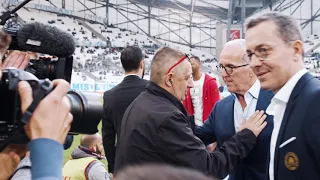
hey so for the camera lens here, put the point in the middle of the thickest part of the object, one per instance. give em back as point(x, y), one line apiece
point(86, 109)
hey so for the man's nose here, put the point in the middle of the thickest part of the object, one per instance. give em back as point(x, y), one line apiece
point(254, 61)
point(190, 83)
point(224, 73)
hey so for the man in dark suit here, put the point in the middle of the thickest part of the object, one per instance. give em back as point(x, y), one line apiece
point(120, 97)
point(275, 49)
point(230, 112)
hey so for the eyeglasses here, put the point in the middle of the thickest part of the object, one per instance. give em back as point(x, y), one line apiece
point(228, 69)
point(262, 53)
point(182, 59)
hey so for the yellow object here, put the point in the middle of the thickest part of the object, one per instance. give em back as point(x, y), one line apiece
point(75, 169)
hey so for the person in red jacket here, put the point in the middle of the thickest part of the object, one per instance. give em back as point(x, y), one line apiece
point(203, 96)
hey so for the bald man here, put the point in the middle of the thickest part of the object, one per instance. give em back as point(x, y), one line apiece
point(231, 112)
point(156, 127)
point(84, 163)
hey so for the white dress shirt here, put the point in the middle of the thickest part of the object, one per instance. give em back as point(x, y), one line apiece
point(277, 108)
point(251, 98)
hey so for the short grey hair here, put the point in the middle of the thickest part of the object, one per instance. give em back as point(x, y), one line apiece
point(288, 27)
point(241, 43)
point(164, 58)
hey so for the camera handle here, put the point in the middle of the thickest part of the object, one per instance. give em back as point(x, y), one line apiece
point(44, 89)
point(7, 15)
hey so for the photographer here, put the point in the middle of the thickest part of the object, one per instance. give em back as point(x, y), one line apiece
point(47, 129)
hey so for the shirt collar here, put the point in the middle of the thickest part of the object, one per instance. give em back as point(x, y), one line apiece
point(132, 75)
point(253, 91)
point(284, 93)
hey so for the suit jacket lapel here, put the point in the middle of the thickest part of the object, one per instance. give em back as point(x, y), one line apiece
point(264, 100)
point(288, 113)
point(229, 112)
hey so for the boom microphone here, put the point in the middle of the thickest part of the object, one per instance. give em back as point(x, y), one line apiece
point(45, 39)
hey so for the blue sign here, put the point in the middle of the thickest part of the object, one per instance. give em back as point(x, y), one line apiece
point(94, 87)
point(82, 87)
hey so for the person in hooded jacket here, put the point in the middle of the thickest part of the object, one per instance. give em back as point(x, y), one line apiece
point(85, 161)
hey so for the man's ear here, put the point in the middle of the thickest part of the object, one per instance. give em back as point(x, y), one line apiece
point(141, 64)
point(168, 80)
point(298, 50)
point(93, 148)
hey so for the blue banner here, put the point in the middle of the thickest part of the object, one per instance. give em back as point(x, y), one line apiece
point(93, 87)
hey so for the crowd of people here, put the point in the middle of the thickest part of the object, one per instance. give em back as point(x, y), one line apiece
point(175, 126)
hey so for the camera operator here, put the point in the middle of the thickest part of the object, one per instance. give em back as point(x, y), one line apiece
point(47, 128)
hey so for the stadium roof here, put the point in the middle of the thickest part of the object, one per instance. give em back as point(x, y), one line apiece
point(213, 9)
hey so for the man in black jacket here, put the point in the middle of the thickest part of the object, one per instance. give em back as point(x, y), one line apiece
point(119, 98)
point(156, 127)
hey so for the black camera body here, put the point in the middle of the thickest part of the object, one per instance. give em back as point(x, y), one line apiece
point(51, 68)
point(86, 108)
point(10, 107)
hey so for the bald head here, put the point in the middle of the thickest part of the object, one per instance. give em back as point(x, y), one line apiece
point(89, 140)
point(162, 61)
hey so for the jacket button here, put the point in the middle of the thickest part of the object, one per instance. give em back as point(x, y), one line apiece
point(206, 98)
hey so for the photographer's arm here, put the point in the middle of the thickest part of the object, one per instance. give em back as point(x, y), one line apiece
point(46, 156)
point(47, 129)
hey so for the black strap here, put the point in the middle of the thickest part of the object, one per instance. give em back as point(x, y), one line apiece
point(88, 151)
point(40, 93)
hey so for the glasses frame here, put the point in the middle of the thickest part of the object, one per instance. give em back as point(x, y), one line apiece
point(264, 58)
point(220, 67)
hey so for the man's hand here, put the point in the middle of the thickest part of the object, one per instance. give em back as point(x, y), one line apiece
point(8, 164)
point(9, 160)
point(16, 59)
point(255, 123)
point(211, 147)
point(52, 118)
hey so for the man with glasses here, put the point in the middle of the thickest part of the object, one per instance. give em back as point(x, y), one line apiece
point(156, 127)
point(275, 50)
point(203, 96)
point(231, 112)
